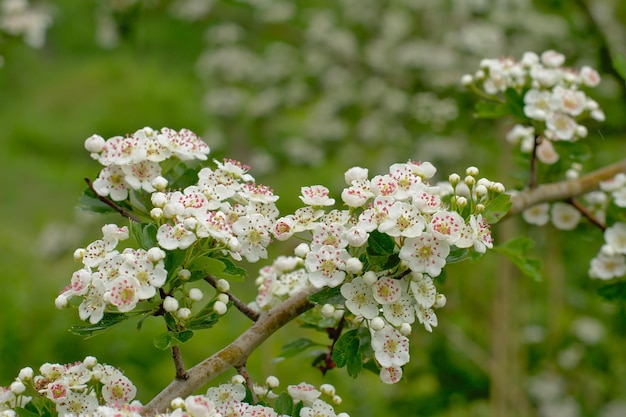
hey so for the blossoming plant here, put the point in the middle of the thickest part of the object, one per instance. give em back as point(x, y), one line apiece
point(365, 271)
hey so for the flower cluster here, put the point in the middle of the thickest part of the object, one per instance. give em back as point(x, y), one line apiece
point(110, 278)
point(610, 262)
point(225, 208)
point(552, 98)
point(134, 162)
point(383, 251)
point(74, 389)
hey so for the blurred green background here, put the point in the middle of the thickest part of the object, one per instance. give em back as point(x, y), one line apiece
point(302, 91)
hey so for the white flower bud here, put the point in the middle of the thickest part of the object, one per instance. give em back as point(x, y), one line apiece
point(354, 265)
point(405, 329)
point(370, 277)
point(90, 361)
point(327, 310)
point(183, 313)
point(355, 174)
point(377, 323)
point(158, 199)
point(223, 298)
point(61, 301)
point(170, 304)
point(190, 224)
point(480, 208)
point(159, 183)
point(337, 399)
point(177, 403)
point(173, 209)
point(466, 80)
point(156, 213)
point(18, 387)
point(461, 201)
point(469, 180)
point(95, 144)
point(222, 285)
point(237, 380)
point(440, 301)
point(301, 250)
point(156, 254)
point(184, 274)
point(26, 374)
point(195, 294)
point(78, 254)
point(471, 171)
point(327, 389)
point(343, 415)
point(481, 190)
point(259, 390)
point(497, 187)
point(454, 179)
point(220, 308)
point(356, 237)
point(272, 382)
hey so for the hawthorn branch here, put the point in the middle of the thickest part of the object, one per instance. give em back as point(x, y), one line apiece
point(178, 363)
point(235, 354)
point(564, 190)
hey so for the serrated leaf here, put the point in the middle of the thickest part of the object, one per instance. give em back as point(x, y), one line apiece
point(23, 412)
point(515, 250)
point(619, 63)
point(497, 208)
point(205, 321)
point(615, 291)
point(380, 244)
point(88, 201)
point(183, 336)
point(328, 295)
point(173, 259)
point(144, 234)
point(297, 346)
point(346, 346)
point(283, 404)
point(108, 320)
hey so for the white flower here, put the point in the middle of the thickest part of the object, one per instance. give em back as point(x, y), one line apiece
point(425, 254)
point(304, 392)
point(403, 220)
point(326, 266)
point(538, 214)
point(427, 317)
point(318, 409)
point(175, 236)
point(564, 216)
point(391, 375)
point(606, 266)
point(546, 153)
point(316, 195)
point(615, 237)
point(359, 298)
point(387, 290)
point(253, 234)
point(400, 311)
point(423, 290)
point(390, 347)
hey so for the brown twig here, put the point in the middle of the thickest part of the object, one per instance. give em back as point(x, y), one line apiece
point(111, 204)
point(586, 213)
point(240, 305)
point(532, 182)
point(181, 373)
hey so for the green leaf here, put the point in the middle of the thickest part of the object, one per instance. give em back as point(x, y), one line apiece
point(380, 244)
point(88, 201)
point(297, 346)
point(204, 321)
point(283, 404)
point(497, 208)
point(108, 320)
point(619, 63)
point(183, 336)
point(615, 291)
point(457, 255)
point(515, 103)
point(328, 295)
point(515, 250)
point(218, 267)
point(144, 234)
point(347, 346)
point(173, 259)
point(163, 341)
point(23, 412)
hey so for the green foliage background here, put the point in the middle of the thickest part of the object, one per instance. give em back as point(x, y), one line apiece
point(501, 335)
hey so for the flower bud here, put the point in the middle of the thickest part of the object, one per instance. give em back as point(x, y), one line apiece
point(184, 274)
point(466, 80)
point(272, 382)
point(95, 144)
point(480, 208)
point(156, 213)
point(170, 304)
point(183, 313)
point(78, 254)
point(90, 361)
point(469, 180)
point(497, 187)
point(158, 199)
point(354, 265)
point(159, 183)
point(461, 201)
point(259, 390)
point(454, 179)
point(220, 308)
point(61, 301)
point(222, 285)
point(337, 399)
point(177, 403)
point(223, 298)
point(156, 254)
point(327, 389)
point(301, 250)
point(481, 190)
point(195, 294)
point(327, 310)
point(190, 224)
point(18, 387)
point(405, 329)
point(370, 277)
point(26, 374)
point(471, 171)
point(237, 380)
point(377, 323)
